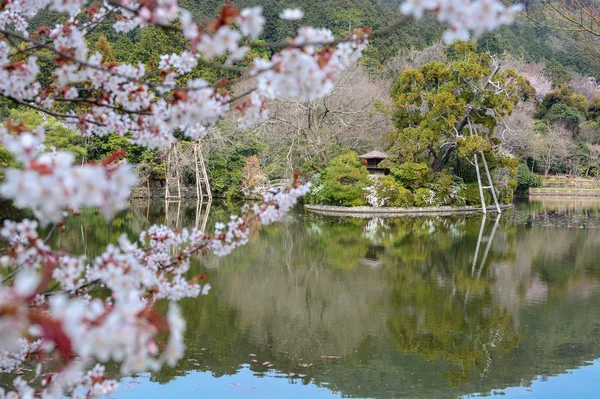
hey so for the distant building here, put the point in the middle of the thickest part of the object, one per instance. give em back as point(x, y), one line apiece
point(373, 159)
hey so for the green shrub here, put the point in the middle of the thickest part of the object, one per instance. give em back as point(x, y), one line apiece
point(449, 189)
point(344, 180)
point(527, 179)
point(386, 192)
point(412, 175)
point(403, 198)
point(425, 197)
point(472, 196)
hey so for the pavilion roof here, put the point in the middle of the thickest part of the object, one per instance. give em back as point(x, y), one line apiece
point(374, 155)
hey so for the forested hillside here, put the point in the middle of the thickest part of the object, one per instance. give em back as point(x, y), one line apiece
point(526, 40)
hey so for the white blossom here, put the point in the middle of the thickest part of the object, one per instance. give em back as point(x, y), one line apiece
point(464, 16)
point(291, 14)
point(251, 21)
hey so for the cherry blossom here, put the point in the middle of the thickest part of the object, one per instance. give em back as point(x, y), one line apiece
point(18, 78)
point(464, 16)
point(50, 183)
point(254, 111)
point(251, 21)
point(291, 14)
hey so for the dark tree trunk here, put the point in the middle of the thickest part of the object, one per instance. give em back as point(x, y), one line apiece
point(443, 158)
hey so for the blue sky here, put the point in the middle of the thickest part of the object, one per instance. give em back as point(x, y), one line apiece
point(580, 383)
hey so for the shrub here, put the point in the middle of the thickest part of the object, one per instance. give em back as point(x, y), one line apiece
point(412, 175)
point(344, 180)
point(425, 197)
point(253, 178)
point(315, 195)
point(526, 178)
point(472, 196)
point(449, 189)
point(403, 198)
point(386, 192)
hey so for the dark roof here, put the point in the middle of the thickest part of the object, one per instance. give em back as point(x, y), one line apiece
point(374, 155)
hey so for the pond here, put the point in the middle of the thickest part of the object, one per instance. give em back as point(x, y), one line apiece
point(440, 307)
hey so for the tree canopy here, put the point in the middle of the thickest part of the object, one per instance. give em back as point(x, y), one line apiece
point(441, 106)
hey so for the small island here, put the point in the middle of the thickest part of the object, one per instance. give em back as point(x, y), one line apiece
point(373, 185)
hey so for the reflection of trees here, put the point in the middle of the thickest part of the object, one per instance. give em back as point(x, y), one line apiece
point(441, 309)
point(308, 304)
point(419, 320)
point(89, 232)
point(437, 323)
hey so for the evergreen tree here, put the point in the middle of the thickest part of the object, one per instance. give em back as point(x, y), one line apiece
point(440, 107)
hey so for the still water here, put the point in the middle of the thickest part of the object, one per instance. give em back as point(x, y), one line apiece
point(428, 307)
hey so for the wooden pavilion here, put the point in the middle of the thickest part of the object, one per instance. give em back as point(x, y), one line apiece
point(372, 160)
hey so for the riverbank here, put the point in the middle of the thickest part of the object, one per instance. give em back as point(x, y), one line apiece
point(368, 212)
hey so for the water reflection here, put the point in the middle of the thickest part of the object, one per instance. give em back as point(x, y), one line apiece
point(175, 219)
point(411, 307)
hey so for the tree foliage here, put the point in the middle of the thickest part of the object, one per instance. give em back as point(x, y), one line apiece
point(344, 180)
point(438, 104)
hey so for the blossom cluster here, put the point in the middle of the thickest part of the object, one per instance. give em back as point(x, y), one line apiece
point(125, 103)
point(301, 73)
point(464, 16)
point(49, 182)
point(373, 199)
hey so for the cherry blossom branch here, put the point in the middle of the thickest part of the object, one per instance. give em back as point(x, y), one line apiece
point(93, 25)
point(96, 102)
point(64, 55)
point(54, 114)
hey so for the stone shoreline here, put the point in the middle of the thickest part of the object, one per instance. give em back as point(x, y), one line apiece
point(564, 192)
point(368, 212)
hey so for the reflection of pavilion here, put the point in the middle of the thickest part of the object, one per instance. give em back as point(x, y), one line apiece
point(371, 258)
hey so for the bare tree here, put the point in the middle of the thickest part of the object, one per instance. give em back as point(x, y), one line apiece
point(589, 132)
point(413, 59)
point(577, 21)
point(534, 73)
point(552, 148)
point(298, 132)
point(586, 86)
point(593, 159)
point(517, 131)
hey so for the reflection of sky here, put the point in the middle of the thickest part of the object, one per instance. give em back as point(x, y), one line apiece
point(583, 382)
point(244, 384)
point(580, 383)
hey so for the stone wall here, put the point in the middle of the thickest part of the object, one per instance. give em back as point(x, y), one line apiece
point(564, 192)
point(368, 211)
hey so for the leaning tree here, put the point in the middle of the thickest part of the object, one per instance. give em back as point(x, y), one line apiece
point(443, 107)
